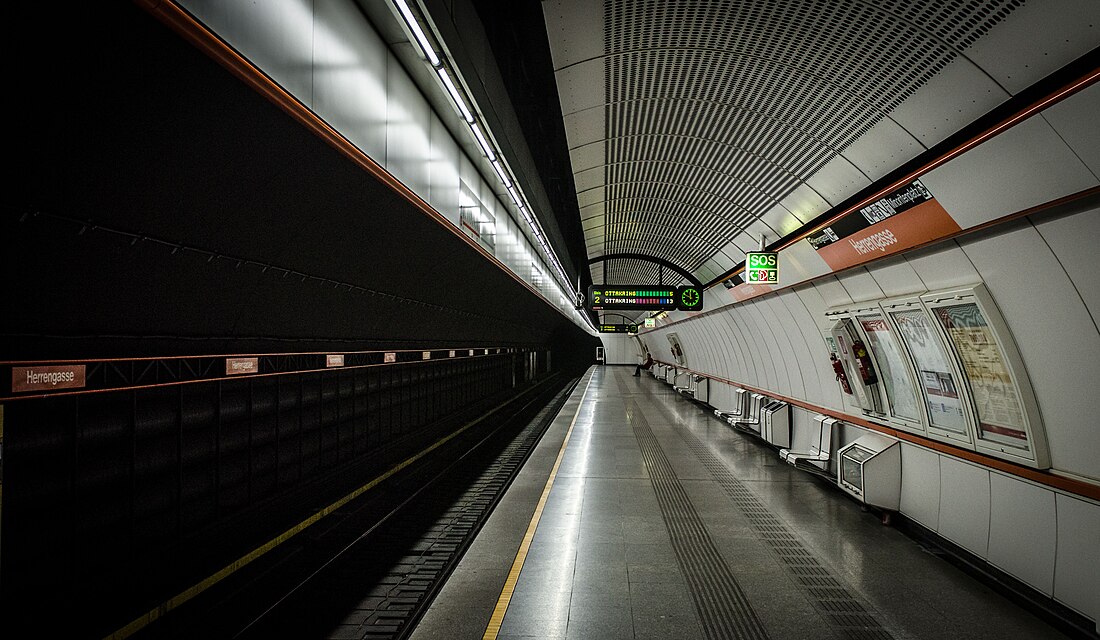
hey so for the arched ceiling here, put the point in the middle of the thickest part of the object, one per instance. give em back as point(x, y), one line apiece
point(695, 126)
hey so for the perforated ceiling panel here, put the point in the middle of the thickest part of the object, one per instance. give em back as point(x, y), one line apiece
point(716, 111)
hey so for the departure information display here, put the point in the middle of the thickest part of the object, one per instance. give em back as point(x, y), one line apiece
point(641, 298)
point(618, 328)
point(644, 298)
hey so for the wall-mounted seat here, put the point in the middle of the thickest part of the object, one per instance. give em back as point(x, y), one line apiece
point(817, 455)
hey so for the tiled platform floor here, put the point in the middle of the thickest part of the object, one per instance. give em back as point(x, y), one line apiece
point(665, 523)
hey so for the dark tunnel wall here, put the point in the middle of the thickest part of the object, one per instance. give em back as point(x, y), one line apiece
point(241, 230)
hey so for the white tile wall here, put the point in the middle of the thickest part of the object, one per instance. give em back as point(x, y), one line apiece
point(920, 485)
point(1022, 530)
point(1073, 241)
point(964, 505)
point(1077, 570)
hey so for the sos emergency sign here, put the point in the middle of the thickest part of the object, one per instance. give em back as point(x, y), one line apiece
point(762, 267)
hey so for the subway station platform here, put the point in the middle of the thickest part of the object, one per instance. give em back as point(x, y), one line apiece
point(656, 520)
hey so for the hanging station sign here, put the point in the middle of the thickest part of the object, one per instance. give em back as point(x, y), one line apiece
point(762, 267)
point(619, 328)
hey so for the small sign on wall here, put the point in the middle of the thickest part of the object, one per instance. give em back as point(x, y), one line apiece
point(69, 376)
point(239, 366)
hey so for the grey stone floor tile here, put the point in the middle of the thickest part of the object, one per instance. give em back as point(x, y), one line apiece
point(672, 626)
point(592, 606)
point(604, 628)
point(528, 626)
point(655, 572)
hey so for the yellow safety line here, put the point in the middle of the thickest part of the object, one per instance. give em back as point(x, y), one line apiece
point(497, 618)
point(182, 597)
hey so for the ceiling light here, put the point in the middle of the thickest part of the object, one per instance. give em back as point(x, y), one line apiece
point(503, 176)
point(515, 197)
point(455, 95)
point(483, 142)
point(414, 26)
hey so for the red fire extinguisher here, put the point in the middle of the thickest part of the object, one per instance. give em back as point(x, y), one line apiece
point(863, 360)
point(838, 368)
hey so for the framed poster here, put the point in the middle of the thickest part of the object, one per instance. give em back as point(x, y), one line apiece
point(1007, 418)
point(937, 380)
point(901, 392)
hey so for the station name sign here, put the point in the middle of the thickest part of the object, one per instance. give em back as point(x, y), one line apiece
point(644, 298)
point(904, 218)
point(47, 378)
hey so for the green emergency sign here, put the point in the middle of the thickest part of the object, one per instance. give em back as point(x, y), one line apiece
point(762, 267)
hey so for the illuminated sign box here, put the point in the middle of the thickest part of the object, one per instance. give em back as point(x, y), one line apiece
point(640, 298)
point(618, 328)
point(762, 267)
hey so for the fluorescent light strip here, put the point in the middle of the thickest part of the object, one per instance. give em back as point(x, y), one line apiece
point(448, 82)
point(483, 142)
point(515, 197)
point(503, 176)
point(414, 26)
point(455, 95)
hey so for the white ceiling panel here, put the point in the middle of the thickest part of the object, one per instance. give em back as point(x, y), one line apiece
point(581, 86)
point(838, 180)
point(950, 100)
point(592, 196)
point(589, 178)
point(584, 127)
point(588, 156)
point(882, 149)
point(576, 27)
point(593, 210)
point(1037, 39)
point(805, 203)
point(1026, 165)
point(733, 253)
point(1075, 120)
point(781, 220)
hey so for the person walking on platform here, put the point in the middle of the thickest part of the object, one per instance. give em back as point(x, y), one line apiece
point(645, 365)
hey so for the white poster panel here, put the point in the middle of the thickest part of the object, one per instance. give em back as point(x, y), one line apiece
point(900, 392)
point(1000, 412)
point(940, 389)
